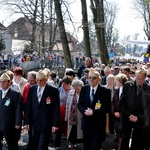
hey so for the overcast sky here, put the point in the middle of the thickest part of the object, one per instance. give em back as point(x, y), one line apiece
point(126, 22)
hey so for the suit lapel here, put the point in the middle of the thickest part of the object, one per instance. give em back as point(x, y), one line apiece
point(36, 94)
point(43, 95)
point(7, 96)
point(97, 93)
point(8, 93)
point(0, 97)
point(88, 92)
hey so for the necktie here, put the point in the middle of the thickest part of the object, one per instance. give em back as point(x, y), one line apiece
point(138, 89)
point(39, 95)
point(4, 94)
point(120, 92)
point(92, 95)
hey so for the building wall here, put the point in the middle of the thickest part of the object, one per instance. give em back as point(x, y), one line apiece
point(8, 41)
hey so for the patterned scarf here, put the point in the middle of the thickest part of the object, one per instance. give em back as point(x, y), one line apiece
point(73, 112)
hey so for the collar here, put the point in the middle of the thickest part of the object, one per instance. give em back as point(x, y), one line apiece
point(5, 90)
point(18, 82)
point(95, 88)
point(42, 88)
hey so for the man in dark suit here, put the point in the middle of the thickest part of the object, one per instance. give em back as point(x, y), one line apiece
point(94, 103)
point(87, 64)
point(135, 107)
point(84, 79)
point(10, 113)
point(42, 112)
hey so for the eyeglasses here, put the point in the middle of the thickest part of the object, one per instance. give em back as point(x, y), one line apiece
point(92, 78)
point(40, 80)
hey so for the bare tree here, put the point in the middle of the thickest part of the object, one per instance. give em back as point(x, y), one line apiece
point(110, 16)
point(52, 25)
point(29, 10)
point(111, 33)
point(85, 28)
point(97, 7)
point(37, 14)
point(63, 36)
point(143, 9)
point(93, 38)
point(135, 36)
point(43, 24)
point(128, 46)
point(114, 37)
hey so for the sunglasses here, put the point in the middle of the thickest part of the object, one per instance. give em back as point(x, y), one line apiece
point(92, 78)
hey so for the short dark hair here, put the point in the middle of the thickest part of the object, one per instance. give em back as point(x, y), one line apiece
point(53, 74)
point(66, 79)
point(87, 70)
point(116, 68)
point(126, 68)
point(132, 72)
point(70, 73)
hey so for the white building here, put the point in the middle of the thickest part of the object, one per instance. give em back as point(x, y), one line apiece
point(18, 46)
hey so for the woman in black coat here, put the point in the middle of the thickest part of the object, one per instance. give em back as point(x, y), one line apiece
point(120, 79)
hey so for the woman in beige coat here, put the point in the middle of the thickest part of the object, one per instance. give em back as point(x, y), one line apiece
point(73, 116)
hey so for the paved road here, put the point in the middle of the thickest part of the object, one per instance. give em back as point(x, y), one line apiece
point(109, 144)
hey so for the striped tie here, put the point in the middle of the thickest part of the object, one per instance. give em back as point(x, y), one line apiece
point(39, 95)
point(139, 87)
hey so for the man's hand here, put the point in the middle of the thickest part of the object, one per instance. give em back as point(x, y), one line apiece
point(88, 112)
point(17, 127)
point(133, 118)
point(54, 129)
point(117, 114)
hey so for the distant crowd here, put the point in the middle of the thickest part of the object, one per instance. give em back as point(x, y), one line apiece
point(83, 106)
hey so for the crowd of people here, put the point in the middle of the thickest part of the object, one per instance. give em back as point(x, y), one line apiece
point(83, 106)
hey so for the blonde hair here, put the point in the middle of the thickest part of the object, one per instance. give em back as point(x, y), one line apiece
point(107, 69)
point(122, 78)
point(140, 71)
point(41, 74)
point(10, 74)
point(47, 71)
point(111, 76)
point(94, 71)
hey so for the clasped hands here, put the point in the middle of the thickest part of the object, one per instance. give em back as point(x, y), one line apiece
point(133, 118)
point(88, 112)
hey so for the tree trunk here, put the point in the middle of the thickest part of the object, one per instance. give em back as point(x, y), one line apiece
point(51, 25)
point(43, 25)
point(33, 41)
point(63, 36)
point(85, 29)
point(98, 14)
point(34, 24)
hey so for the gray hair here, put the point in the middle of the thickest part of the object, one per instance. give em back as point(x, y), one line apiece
point(32, 73)
point(77, 83)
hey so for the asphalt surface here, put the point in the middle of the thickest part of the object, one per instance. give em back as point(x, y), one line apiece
point(109, 143)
